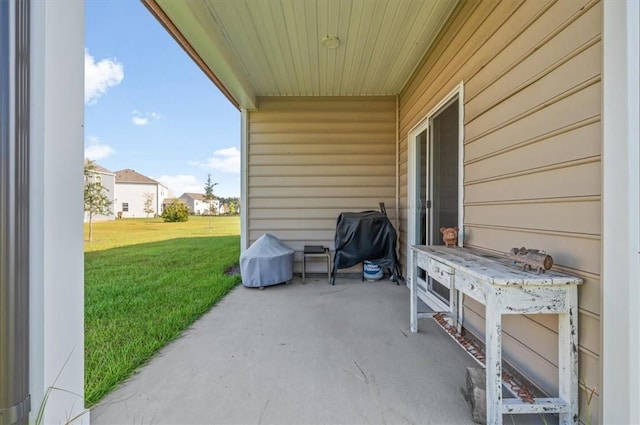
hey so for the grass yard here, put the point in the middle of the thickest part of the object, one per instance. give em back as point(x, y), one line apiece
point(132, 231)
point(144, 284)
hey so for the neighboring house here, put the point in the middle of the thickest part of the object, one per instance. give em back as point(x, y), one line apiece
point(130, 190)
point(197, 205)
point(515, 121)
point(107, 179)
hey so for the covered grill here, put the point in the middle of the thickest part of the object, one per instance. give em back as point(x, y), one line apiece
point(268, 261)
point(367, 235)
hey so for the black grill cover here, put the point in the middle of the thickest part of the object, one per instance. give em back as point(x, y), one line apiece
point(367, 235)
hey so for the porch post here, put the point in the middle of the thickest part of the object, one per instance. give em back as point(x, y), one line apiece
point(244, 176)
point(56, 284)
point(620, 294)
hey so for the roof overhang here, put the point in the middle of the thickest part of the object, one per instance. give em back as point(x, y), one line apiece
point(304, 48)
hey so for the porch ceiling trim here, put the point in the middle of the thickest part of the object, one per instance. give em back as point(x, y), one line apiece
point(252, 49)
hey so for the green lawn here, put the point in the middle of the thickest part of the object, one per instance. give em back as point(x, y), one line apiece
point(131, 231)
point(144, 284)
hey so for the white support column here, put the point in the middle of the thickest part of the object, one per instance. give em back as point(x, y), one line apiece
point(244, 177)
point(56, 215)
point(620, 293)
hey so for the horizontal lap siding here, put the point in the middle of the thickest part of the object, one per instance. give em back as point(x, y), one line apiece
point(532, 152)
point(310, 159)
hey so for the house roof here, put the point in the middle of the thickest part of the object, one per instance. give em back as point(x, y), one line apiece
point(277, 47)
point(194, 196)
point(97, 168)
point(131, 176)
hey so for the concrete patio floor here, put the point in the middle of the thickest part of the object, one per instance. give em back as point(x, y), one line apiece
point(300, 354)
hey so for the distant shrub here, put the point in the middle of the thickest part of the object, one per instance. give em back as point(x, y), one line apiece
point(176, 211)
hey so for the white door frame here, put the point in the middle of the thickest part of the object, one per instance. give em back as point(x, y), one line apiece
point(422, 125)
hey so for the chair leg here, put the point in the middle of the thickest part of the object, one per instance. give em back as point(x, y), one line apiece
point(329, 267)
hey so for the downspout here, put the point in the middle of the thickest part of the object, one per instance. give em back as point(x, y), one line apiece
point(14, 212)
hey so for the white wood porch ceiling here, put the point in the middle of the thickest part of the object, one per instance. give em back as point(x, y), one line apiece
point(274, 47)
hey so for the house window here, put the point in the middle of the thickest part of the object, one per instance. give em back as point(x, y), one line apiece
point(125, 206)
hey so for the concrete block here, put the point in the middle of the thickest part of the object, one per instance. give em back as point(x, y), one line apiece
point(477, 394)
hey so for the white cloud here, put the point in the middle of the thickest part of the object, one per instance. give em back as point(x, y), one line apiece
point(139, 120)
point(182, 183)
point(143, 118)
point(226, 160)
point(94, 150)
point(100, 76)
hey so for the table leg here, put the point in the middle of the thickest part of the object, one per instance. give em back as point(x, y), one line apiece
point(413, 319)
point(304, 266)
point(454, 299)
point(493, 347)
point(568, 357)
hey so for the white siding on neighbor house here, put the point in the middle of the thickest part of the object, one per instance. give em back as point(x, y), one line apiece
point(202, 207)
point(198, 206)
point(133, 195)
point(532, 153)
point(215, 206)
point(108, 181)
point(309, 159)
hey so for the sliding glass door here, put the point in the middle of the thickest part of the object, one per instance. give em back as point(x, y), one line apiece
point(436, 189)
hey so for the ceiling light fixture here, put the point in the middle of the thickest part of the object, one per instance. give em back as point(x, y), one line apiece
point(331, 42)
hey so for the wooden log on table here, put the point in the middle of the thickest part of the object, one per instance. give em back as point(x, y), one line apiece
point(532, 259)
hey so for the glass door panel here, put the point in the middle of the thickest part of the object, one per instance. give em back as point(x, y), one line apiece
point(443, 187)
point(421, 197)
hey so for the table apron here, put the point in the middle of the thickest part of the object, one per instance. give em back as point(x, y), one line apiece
point(532, 300)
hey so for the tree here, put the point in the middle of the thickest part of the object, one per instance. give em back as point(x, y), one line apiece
point(176, 211)
point(148, 204)
point(96, 201)
point(231, 205)
point(209, 197)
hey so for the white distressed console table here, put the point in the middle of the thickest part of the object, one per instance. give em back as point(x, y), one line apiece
point(505, 289)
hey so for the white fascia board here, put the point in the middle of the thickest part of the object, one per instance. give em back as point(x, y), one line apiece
point(212, 48)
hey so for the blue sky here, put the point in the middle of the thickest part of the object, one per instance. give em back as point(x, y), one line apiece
point(150, 108)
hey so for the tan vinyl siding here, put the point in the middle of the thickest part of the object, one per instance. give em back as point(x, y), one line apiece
point(532, 152)
point(311, 159)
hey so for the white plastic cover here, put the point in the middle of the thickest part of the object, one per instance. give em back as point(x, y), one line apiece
point(268, 261)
